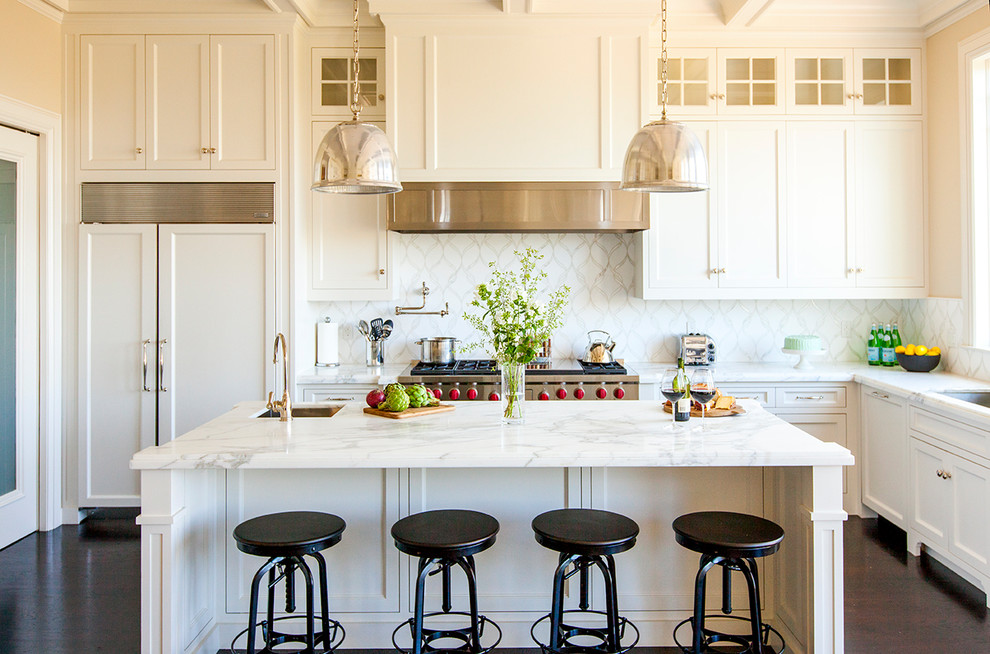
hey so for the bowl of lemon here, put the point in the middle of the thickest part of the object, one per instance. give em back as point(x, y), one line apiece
point(918, 358)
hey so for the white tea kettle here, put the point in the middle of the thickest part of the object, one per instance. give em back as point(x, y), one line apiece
point(599, 350)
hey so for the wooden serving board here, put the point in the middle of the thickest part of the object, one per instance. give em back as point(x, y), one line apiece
point(410, 413)
point(711, 413)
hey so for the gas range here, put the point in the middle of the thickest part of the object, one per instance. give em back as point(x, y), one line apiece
point(480, 379)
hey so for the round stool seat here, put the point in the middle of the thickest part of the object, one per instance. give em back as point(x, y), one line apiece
point(445, 533)
point(293, 533)
point(723, 533)
point(589, 532)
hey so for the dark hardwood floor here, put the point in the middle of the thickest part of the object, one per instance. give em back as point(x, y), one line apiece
point(76, 589)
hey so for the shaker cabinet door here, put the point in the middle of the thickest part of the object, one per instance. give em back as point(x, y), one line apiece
point(112, 102)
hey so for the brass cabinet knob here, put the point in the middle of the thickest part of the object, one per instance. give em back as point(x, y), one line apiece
point(213, 150)
point(205, 150)
point(721, 271)
point(381, 271)
point(139, 150)
point(859, 270)
point(714, 271)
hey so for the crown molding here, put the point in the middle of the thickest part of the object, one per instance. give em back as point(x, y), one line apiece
point(936, 22)
point(53, 9)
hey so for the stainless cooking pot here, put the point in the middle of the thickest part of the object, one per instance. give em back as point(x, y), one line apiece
point(440, 349)
point(599, 349)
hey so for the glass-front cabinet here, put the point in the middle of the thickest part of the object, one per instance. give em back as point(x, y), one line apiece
point(750, 81)
point(333, 75)
point(888, 81)
point(690, 82)
point(820, 82)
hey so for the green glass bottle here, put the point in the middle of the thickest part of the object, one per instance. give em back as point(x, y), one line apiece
point(887, 357)
point(895, 340)
point(873, 347)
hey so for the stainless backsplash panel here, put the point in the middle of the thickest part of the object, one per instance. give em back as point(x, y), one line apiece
point(505, 207)
point(178, 202)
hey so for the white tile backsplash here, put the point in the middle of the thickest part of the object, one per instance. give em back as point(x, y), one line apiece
point(600, 270)
point(941, 321)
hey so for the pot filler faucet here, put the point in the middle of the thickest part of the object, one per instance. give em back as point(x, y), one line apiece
point(283, 406)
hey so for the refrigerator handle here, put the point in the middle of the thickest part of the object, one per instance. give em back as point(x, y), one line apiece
point(161, 365)
point(144, 364)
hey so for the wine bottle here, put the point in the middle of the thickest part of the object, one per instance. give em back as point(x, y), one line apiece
point(682, 407)
point(873, 347)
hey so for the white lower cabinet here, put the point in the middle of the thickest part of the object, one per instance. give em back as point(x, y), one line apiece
point(884, 463)
point(335, 392)
point(931, 497)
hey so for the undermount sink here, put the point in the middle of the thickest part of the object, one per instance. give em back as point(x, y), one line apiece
point(982, 398)
point(317, 411)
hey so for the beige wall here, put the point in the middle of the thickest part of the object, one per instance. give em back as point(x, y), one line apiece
point(30, 56)
point(945, 208)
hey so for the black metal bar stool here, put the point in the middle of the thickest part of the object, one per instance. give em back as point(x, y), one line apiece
point(733, 541)
point(441, 540)
point(584, 538)
point(285, 538)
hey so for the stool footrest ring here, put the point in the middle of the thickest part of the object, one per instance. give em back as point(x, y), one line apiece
point(274, 638)
point(462, 634)
point(571, 631)
point(711, 636)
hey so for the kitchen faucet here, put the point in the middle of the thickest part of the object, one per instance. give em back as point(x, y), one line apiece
point(283, 406)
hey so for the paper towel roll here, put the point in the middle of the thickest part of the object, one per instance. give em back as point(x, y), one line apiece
point(327, 342)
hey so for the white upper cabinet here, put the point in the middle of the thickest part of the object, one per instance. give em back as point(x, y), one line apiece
point(333, 76)
point(890, 205)
point(177, 102)
point(820, 234)
point(750, 81)
point(820, 81)
point(112, 112)
point(243, 102)
point(749, 196)
point(350, 254)
point(888, 81)
point(691, 80)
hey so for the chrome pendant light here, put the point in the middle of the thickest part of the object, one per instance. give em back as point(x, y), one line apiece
point(355, 157)
point(665, 156)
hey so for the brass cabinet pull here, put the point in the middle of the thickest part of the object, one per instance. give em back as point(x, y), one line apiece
point(205, 150)
point(139, 150)
point(381, 271)
point(809, 397)
point(144, 365)
point(213, 150)
point(881, 395)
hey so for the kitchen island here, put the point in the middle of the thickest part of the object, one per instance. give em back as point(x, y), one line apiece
point(372, 471)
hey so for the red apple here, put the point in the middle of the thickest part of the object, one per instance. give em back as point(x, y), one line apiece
point(375, 398)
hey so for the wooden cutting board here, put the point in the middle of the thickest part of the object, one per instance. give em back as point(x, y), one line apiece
point(410, 413)
point(712, 413)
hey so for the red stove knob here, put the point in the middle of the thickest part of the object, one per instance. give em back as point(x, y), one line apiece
point(579, 393)
point(493, 397)
point(472, 394)
point(619, 393)
point(437, 393)
point(544, 395)
point(601, 393)
point(454, 394)
point(561, 393)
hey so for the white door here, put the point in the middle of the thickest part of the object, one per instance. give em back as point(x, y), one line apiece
point(819, 204)
point(178, 101)
point(216, 321)
point(750, 208)
point(19, 320)
point(243, 102)
point(117, 338)
point(112, 104)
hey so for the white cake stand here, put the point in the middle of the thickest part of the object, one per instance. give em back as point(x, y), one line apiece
point(804, 363)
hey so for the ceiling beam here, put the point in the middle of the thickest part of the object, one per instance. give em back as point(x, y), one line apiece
point(742, 13)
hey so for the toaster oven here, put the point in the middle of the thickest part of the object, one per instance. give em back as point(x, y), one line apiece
point(697, 350)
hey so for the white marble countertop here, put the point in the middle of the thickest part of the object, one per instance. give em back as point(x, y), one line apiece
point(556, 434)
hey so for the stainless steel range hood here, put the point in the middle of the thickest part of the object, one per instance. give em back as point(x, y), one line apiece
point(486, 207)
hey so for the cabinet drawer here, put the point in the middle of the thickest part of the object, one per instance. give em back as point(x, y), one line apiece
point(762, 394)
point(828, 397)
point(345, 394)
point(950, 431)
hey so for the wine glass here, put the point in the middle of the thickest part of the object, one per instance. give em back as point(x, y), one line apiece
point(703, 390)
point(672, 387)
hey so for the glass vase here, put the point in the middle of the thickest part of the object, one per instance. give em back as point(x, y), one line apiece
point(513, 395)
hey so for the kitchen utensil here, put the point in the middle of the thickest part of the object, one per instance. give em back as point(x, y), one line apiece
point(386, 329)
point(599, 350)
point(697, 349)
point(439, 349)
point(409, 413)
point(364, 329)
point(376, 329)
